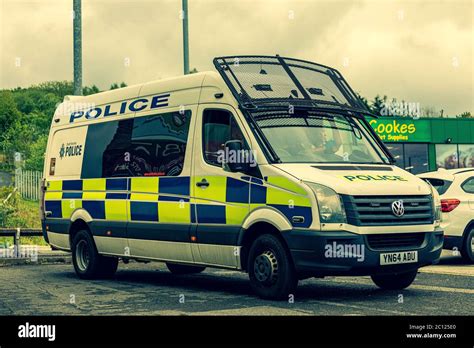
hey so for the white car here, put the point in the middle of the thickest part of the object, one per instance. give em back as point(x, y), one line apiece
point(456, 189)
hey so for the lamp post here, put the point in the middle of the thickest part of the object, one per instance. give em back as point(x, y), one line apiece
point(185, 37)
point(77, 42)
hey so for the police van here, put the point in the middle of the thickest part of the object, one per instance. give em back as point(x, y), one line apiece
point(267, 166)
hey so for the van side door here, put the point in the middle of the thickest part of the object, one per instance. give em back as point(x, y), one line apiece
point(160, 155)
point(221, 197)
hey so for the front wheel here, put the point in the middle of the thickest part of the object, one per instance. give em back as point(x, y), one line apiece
point(88, 263)
point(395, 281)
point(467, 250)
point(271, 271)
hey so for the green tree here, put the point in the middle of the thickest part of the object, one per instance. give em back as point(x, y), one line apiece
point(466, 114)
point(364, 101)
point(90, 90)
point(8, 111)
point(378, 104)
point(116, 85)
point(35, 158)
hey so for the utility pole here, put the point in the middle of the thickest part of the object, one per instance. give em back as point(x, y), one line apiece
point(185, 37)
point(77, 39)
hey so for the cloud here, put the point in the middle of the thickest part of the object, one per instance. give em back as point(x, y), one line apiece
point(418, 51)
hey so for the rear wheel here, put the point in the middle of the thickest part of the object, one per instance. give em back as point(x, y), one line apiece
point(87, 262)
point(395, 281)
point(184, 269)
point(271, 271)
point(467, 250)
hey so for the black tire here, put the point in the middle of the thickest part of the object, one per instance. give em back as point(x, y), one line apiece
point(87, 262)
point(395, 281)
point(184, 269)
point(467, 250)
point(271, 271)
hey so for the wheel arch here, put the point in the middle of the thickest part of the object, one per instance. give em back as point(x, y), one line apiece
point(469, 227)
point(80, 220)
point(268, 215)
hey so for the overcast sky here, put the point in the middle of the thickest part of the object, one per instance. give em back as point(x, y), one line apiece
point(419, 51)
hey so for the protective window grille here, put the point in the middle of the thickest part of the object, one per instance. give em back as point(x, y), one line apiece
point(274, 79)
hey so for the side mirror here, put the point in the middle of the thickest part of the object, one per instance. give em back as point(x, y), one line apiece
point(236, 159)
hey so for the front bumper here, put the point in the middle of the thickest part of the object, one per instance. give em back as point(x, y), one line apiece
point(309, 251)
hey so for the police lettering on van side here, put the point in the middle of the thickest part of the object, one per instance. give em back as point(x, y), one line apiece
point(136, 105)
point(70, 150)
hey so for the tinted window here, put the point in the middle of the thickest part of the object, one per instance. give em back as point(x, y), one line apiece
point(440, 185)
point(468, 185)
point(416, 158)
point(411, 157)
point(219, 126)
point(397, 152)
point(145, 146)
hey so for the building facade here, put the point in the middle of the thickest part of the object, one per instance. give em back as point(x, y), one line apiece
point(426, 144)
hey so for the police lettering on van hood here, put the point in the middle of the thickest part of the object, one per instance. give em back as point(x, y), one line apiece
point(134, 105)
point(350, 179)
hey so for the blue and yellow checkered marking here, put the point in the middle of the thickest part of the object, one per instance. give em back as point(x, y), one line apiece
point(144, 211)
point(166, 199)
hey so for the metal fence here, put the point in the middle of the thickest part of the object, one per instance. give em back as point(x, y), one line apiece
point(16, 233)
point(28, 182)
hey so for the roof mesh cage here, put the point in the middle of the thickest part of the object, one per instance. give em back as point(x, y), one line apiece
point(273, 81)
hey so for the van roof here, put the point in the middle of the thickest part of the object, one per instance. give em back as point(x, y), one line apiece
point(175, 83)
point(190, 86)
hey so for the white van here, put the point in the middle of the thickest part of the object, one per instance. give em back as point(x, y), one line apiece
point(267, 166)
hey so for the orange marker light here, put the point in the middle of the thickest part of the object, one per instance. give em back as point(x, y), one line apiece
point(193, 238)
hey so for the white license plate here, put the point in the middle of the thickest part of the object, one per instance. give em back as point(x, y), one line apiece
point(398, 257)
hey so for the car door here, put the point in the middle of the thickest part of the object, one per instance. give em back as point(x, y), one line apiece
point(221, 197)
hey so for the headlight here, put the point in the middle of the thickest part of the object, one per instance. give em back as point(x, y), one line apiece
point(331, 209)
point(438, 215)
point(436, 203)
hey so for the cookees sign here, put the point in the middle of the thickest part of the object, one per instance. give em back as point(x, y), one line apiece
point(400, 130)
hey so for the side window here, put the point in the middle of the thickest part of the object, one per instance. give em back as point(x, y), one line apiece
point(145, 146)
point(219, 126)
point(158, 144)
point(468, 186)
point(106, 147)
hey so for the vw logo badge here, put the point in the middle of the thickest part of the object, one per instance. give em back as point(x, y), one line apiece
point(397, 208)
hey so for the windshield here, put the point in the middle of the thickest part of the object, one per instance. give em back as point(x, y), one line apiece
point(320, 139)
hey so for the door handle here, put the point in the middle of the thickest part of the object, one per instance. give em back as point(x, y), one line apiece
point(203, 183)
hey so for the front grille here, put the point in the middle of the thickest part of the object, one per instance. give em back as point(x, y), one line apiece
point(395, 241)
point(377, 210)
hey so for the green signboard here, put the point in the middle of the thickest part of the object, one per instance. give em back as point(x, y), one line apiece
point(402, 130)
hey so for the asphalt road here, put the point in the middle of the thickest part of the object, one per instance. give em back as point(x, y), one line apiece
point(149, 289)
